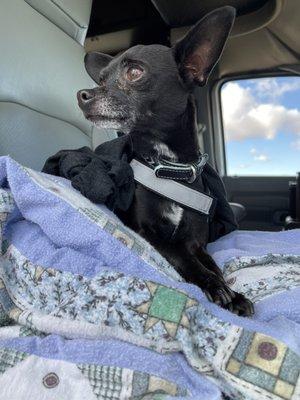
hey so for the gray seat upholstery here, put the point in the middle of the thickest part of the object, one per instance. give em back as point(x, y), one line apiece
point(239, 211)
point(72, 16)
point(41, 69)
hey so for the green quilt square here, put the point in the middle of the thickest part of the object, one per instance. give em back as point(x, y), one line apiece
point(257, 377)
point(290, 369)
point(167, 304)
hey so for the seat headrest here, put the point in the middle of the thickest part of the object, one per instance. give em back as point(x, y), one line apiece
point(71, 16)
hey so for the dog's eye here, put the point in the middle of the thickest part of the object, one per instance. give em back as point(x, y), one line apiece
point(134, 74)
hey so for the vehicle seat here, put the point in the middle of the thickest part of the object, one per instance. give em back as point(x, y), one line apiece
point(41, 70)
point(239, 211)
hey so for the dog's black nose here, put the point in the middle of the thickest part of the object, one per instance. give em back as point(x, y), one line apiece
point(85, 96)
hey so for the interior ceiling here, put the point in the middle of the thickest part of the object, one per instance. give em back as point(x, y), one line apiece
point(274, 45)
point(265, 35)
point(136, 18)
point(181, 13)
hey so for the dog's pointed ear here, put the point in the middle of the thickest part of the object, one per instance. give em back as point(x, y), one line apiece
point(200, 49)
point(94, 62)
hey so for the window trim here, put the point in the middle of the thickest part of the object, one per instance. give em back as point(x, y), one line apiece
point(216, 114)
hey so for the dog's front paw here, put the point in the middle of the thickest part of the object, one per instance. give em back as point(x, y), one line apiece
point(218, 292)
point(241, 306)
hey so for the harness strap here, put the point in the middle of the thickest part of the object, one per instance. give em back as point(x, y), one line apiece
point(172, 190)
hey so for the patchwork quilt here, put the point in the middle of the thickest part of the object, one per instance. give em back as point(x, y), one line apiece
point(89, 310)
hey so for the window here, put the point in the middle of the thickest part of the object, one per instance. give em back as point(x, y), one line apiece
point(261, 120)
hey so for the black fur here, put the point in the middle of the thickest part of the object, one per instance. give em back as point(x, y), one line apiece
point(147, 92)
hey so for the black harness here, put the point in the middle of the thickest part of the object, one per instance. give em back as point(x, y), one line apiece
point(180, 183)
point(107, 176)
point(180, 172)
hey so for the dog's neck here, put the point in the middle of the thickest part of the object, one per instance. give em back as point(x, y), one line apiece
point(179, 142)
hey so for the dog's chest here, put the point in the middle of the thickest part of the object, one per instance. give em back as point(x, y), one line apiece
point(173, 213)
point(170, 210)
point(159, 219)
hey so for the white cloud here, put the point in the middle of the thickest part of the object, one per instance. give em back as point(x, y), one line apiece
point(243, 166)
point(245, 117)
point(257, 156)
point(271, 88)
point(296, 144)
point(261, 157)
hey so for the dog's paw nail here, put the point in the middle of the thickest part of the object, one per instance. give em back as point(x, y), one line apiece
point(209, 297)
point(226, 298)
point(251, 308)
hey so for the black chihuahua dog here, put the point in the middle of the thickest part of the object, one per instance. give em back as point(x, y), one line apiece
point(147, 92)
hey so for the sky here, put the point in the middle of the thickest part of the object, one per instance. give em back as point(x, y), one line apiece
point(261, 119)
